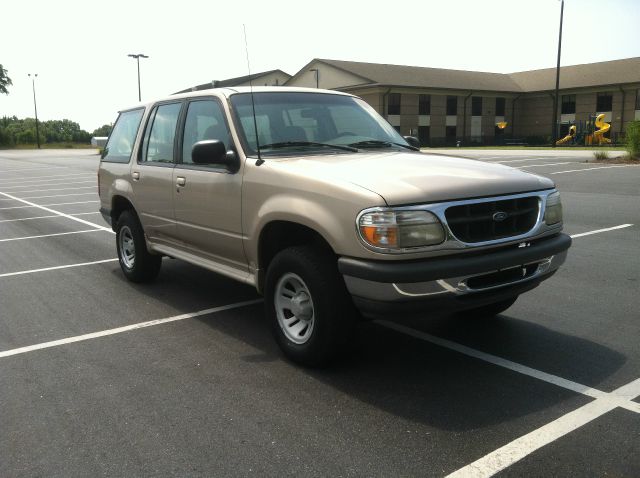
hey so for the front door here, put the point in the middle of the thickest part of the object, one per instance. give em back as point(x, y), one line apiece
point(207, 198)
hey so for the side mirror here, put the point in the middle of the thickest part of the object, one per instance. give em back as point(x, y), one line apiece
point(213, 151)
point(413, 141)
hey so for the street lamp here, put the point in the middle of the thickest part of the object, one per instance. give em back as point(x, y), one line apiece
point(317, 76)
point(35, 106)
point(554, 130)
point(137, 56)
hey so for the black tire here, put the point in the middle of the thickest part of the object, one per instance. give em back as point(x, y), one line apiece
point(489, 310)
point(332, 316)
point(137, 264)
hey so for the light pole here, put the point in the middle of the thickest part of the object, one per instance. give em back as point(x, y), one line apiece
point(317, 76)
point(35, 106)
point(137, 56)
point(554, 130)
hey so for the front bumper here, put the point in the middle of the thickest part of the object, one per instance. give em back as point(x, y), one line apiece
point(458, 282)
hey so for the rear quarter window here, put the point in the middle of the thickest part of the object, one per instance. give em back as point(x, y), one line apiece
point(123, 137)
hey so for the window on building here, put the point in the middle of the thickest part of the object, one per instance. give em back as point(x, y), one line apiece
point(452, 105)
point(423, 135)
point(500, 106)
point(638, 99)
point(604, 102)
point(450, 132)
point(476, 106)
point(393, 105)
point(568, 105)
point(424, 105)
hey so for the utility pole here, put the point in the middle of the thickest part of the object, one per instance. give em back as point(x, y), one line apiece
point(35, 106)
point(137, 56)
point(554, 130)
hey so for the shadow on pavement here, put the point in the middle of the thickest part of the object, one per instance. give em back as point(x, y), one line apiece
point(402, 375)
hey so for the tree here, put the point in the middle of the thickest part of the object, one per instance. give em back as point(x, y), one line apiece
point(4, 81)
point(103, 130)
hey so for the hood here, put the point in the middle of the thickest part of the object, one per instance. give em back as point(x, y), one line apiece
point(409, 178)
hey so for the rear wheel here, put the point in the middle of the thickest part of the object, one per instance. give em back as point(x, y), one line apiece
point(489, 310)
point(137, 264)
point(309, 309)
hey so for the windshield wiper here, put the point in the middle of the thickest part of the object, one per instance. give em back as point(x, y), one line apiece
point(293, 144)
point(376, 143)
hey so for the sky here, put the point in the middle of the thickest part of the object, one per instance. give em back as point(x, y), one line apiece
point(79, 48)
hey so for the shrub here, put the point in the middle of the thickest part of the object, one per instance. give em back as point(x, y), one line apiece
point(601, 154)
point(633, 139)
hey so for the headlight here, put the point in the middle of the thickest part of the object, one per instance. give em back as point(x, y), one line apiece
point(553, 211)
point(400, 229)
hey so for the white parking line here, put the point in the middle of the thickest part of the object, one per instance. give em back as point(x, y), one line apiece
point(47, 217)
point(53, 211)
point(55, 196)
point(598, 231)
point(49, 235)
point(513, 452)
point(521, 160)
point(55, 268)
point(126, 328)
point(547, 164)
point(33, 169)
point(590, 169)
point(59, 176)
point(62, 180)
point(508, 364)
point(42, 206)
point(13, 190)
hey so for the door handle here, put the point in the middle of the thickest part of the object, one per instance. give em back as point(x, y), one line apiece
point(135, 175)
point(181, 181)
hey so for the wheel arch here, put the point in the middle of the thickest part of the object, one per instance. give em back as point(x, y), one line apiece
point(278, 235)
point(119, 204)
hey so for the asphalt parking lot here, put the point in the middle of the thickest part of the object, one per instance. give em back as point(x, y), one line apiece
point(182, 378)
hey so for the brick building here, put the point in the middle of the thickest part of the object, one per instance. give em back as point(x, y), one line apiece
point(440, 106)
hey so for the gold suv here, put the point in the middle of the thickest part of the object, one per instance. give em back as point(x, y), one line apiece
point(314, 199)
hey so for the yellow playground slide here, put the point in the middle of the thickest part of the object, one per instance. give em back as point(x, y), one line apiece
point(569, 137)
point(598, 135)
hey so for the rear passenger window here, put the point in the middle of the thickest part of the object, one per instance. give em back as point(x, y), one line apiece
point(157, 146)
point(122, 138)
point(205, 120)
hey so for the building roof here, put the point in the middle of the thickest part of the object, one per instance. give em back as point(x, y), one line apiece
point(240, 80)
point(417, 76)
point(615, 72)
point(576, 76)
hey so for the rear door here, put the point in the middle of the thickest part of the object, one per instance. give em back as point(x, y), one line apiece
point(207, 198)
point(152, 174)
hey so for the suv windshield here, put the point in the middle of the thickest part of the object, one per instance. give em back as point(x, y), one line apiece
point(295, 123)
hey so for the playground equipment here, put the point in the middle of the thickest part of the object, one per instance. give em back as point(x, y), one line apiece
point(598, 136)
point(569, 137)
point(590, 132)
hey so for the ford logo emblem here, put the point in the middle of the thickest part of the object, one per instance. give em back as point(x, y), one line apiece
point(500, 216)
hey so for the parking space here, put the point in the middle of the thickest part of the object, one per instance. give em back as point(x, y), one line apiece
point(182, 377)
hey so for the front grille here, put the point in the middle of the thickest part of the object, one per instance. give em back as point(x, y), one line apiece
point(476, 222)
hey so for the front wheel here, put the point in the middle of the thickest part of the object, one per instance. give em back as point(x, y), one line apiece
point(137, 264)
point(309, 309)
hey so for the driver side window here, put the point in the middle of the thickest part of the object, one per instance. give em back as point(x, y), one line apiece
point(205, 120)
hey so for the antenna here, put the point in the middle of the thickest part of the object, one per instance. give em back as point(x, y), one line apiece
point(253, 104)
